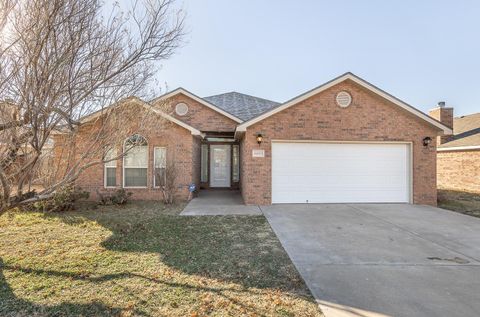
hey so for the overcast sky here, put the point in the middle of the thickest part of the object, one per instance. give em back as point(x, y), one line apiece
point(420, 51)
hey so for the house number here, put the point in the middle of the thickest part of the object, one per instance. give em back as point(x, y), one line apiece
point(258, 153)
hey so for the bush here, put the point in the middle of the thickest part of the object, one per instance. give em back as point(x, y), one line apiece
point(63, 200)
point(120, 197)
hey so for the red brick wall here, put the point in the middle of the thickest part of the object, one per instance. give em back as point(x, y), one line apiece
point(199, 116)
point(459, 170)
point(180, 147)
point(369, 117)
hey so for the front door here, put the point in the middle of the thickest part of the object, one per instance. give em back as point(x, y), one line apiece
point(220, 165)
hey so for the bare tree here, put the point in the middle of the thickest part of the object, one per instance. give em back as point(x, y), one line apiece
point(61, 60)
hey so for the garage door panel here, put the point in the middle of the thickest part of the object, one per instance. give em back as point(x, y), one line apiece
point(330, 172)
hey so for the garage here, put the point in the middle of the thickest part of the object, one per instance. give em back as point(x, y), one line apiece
point(318, 172)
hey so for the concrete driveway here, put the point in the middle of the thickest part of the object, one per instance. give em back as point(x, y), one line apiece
point(377, 260)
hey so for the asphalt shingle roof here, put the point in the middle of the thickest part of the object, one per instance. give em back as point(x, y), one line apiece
point(466, 131)
point(240, 105)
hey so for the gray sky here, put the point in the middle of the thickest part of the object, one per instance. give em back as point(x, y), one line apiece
point(420, 51)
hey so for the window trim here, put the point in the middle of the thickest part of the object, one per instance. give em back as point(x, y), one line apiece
point(154, 167)
point(138, 167)
point(105, 167)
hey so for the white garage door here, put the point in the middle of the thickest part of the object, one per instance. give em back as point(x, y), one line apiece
point(340, 172)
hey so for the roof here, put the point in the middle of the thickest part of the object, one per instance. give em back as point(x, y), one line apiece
point(466, 132)
point(347, 76)
point(240, 105)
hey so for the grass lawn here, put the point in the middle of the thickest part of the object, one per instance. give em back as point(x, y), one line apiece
point(463, 202)
point(143, 259)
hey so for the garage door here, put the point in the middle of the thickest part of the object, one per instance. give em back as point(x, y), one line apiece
point(340, 172)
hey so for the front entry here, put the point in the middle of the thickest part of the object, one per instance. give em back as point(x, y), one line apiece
point(220, 161)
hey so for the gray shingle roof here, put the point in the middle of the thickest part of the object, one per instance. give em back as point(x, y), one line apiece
point(466, 131)
point(240, 105)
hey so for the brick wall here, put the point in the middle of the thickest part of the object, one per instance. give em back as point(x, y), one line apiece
point(369, 117)
point(459, 170)
point(199, 116)
point(180, 147)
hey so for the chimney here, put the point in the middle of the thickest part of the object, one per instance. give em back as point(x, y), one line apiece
point(445, 116)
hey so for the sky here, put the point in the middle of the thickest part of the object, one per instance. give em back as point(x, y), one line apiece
point(419, 51)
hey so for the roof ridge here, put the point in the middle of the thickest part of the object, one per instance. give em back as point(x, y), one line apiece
point(241, 93)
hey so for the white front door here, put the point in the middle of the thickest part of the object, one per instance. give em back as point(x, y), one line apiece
point(220, 165)
point(340, 173)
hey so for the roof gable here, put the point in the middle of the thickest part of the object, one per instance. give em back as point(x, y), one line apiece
point(347, 76)
point(199, 100)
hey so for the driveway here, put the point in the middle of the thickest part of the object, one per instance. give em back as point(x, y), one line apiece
point(377, 259)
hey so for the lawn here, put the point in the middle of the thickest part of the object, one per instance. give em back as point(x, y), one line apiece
point(144, 260)
point(463, 202)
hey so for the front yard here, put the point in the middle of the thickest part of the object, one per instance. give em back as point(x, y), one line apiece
point(145, 260)
point(463, 202)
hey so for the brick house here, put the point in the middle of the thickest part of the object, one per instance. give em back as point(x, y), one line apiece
point(344, 141)
point(458, 155)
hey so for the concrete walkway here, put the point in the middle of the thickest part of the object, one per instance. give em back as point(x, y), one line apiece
point(219, 202)
point(383, 260)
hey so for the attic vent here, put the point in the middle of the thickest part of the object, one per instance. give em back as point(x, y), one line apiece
point(181, 109)
point(343, 99)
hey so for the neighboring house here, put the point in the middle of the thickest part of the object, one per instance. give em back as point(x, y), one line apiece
point(458, 157)
point(344, 141)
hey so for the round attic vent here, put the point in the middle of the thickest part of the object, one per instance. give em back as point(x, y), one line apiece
point(343, 99)
point(181, 109)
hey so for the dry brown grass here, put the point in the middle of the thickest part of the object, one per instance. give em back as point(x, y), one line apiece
point(145, 260)
point(463, 202)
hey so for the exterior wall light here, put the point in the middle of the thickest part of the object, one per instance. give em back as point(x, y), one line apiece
point(426, 141)
point(259, 138)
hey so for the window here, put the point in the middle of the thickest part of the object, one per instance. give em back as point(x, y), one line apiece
point(204, 164)
point(135, 162)
point(110, 168)
point(159, 166)
point(236, 163)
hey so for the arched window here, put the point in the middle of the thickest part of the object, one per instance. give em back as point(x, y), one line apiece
point(135, 161)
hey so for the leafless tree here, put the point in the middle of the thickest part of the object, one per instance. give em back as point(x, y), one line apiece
point(63, 59)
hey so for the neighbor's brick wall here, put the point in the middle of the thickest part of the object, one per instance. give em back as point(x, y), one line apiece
point(459, 170)
point(369, 117)
point(180, 146)
point(199, 116)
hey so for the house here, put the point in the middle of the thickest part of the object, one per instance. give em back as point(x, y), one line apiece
point(458, 157)
point(343, 141)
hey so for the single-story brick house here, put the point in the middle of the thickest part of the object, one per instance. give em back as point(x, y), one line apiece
point(458, 155)
point(343, 141)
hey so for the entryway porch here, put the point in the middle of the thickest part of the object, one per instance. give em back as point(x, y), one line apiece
point(219, 202)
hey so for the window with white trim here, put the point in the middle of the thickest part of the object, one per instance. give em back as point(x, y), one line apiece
point(159, 166)
point(135, 162)
point(110, 168)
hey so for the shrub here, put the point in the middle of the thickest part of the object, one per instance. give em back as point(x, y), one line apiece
point(62, 200)
point(169, 189)
point(119, 197)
